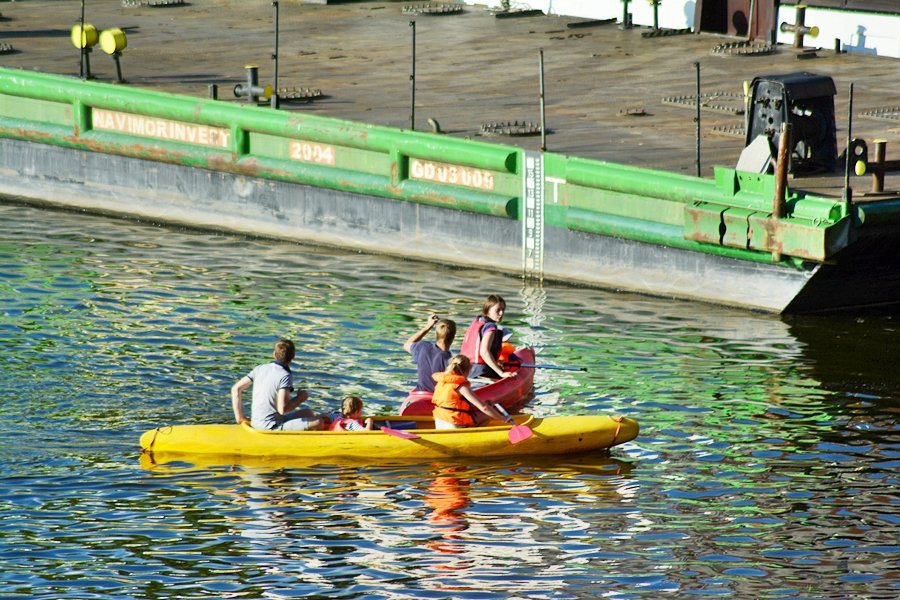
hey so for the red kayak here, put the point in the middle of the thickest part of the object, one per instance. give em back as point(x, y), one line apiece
point(510, 393)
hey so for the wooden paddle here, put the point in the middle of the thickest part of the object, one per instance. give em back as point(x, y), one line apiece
point(399, 433)
point(517, 433)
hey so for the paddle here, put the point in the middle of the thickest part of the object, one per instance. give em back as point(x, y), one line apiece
point(545, 366)
point(399, 433)
point(517, 433)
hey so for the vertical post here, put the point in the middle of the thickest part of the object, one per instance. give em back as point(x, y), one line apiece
point(116, 56)
point(83, 49)
point(878, 171)
point(655, 14)
point(697, 117)
point(626, 20)
point(543, 113)
point(412, 81)
point(781, 170)
point(800, 26)
point(848, 191)
point(751, 17)
point(274, 99)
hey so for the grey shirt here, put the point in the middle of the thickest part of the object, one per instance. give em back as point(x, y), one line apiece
point(268, 379)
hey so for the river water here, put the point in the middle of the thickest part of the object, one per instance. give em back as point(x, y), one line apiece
point(766, 467)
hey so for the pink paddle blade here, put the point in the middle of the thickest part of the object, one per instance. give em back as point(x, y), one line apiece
point(519, 433)
point(399, 433)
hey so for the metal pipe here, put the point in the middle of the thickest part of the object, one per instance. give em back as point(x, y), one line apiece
point(848, 191)
point(751, 13)
point(878, 172)
point(543, 114)
point(83, 50)
point(412, 80)
point(800, 26)
point(697, 118)
point(781, 170)
point(274, 99)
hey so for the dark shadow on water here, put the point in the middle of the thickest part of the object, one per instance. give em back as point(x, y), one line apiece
point(852, 353)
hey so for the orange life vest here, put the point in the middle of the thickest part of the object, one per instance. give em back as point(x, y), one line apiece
point(449, 404)
point(506, 350)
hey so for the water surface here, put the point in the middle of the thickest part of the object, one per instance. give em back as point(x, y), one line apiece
point(767, 465)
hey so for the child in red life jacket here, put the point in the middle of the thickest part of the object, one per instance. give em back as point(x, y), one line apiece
point(483, 340)
point(455, 404)
point(351, 416)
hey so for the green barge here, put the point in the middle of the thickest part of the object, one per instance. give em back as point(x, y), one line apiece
point(545, 216)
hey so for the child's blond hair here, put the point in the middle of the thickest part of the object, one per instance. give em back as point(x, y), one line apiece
point(459, 365)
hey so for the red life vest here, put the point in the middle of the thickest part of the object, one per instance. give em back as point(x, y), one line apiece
point(471, 344)
point(341, 424)
point(449, 404)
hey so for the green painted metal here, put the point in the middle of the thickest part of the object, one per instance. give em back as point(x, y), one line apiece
point(396, 147)
point(729, 215)
point(877, 213)
point(661, 234)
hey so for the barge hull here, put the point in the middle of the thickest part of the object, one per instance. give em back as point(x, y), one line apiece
point(217, 200)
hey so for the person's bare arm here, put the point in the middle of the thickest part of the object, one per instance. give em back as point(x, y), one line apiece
point(237, 401)
point(293, 403)
point(420, 333)
point(488, 358)
point(484, 407)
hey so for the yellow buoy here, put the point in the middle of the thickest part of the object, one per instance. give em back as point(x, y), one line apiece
point(86, 38)
point(112, 40)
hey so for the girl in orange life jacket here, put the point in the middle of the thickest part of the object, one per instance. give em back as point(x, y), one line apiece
point(351, 416)
point(483, 340)
point(455, 404)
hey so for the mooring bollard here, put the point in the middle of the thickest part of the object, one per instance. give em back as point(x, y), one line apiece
point(799, 27)
point(878, 167)
point(252, 90)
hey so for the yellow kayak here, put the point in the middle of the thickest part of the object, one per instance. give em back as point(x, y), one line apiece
point(403, 438)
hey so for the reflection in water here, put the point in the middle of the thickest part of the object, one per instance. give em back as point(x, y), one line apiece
point(448, 496)
point(766, 465)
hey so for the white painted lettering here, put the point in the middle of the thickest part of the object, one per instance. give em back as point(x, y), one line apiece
point(426, 170)
point(165, 129)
